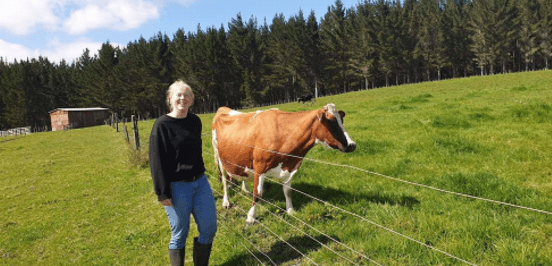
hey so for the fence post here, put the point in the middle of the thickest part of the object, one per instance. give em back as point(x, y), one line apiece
point(126, 133)
point(117, 123)
point(136, 135)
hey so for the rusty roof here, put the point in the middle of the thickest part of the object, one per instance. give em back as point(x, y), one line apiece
point(80, 109)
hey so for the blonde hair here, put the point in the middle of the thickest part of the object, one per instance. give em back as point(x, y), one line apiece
point(179, 84)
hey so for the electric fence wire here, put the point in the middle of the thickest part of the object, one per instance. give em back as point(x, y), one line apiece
point(279, 237)
point(303, 232)
point(369, 221)
point(398, 179)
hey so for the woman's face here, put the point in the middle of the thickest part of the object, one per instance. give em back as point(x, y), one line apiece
point(181, 99)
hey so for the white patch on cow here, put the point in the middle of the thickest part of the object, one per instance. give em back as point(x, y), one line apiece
point(255, 115)
point(279, 173)
point(215, 145)
point(285, 176)
point(225, 201)
point(333, 111)
point(251, 216)
point(349, 140)
point(249, 172)
point(260, 111)
point(234, 113)
point(244, 187)
point(260, 187)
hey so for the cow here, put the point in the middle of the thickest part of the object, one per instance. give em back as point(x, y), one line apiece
point(306, 98)
point(272, 143)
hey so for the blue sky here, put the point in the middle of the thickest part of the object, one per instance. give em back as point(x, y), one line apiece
point(64, 28)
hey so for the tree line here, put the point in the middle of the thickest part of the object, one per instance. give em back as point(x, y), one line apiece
point(373, 44)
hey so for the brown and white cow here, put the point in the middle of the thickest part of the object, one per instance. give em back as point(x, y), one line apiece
point(257, 145)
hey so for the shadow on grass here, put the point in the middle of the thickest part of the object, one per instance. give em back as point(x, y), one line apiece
point(281, 252)
point(337, 197)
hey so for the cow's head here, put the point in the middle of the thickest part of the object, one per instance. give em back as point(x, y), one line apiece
point(331, 133)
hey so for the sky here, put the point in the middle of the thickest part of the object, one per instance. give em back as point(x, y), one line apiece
point(63, 29)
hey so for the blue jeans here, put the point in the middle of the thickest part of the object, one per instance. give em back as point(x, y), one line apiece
point(194, 198)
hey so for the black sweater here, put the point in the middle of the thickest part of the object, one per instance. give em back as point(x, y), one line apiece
point(174, 152)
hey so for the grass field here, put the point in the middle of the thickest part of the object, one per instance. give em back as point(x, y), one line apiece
point(74, 198)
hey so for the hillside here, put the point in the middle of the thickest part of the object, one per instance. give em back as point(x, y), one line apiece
point(73, 198)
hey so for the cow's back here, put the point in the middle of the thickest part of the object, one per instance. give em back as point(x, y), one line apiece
point(237, 137)
point(229, 121)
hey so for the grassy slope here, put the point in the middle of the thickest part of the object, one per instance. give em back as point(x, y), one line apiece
point(70, 198)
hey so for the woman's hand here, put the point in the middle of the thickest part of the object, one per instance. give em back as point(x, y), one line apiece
point(167, 202)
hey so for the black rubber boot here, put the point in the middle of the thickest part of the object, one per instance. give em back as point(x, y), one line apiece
point(201, 253)
point(177, 256)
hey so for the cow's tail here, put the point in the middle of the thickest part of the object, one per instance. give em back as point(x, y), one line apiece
point(216, 154)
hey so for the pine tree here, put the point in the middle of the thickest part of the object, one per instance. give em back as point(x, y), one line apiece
point(37, 94)
point(387, 31)
point(13, 95)
point(410, 29)
point(503, 31)
point(246, 50)
point(4, 68)
point(335, 45)
point(363, 52)
point(104, 83)
point(431, 37)
point(545, 31)
point(284, 55)
point(301, 36)
point(528, 22)
point(458, 45)
point(481, 34)
point(313, 55)
point(82, 77)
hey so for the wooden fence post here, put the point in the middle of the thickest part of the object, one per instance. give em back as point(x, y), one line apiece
point(126, 133)
point(117, 123)
point(136, 135)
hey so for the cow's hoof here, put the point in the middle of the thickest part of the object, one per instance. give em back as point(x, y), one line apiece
point(226, 204)
point(250, 221)
point(290, 211)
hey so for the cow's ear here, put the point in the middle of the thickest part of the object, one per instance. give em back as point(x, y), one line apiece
point(341, 113)
point(320, 116)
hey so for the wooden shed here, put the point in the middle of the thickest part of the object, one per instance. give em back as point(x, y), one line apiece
point(66, 118)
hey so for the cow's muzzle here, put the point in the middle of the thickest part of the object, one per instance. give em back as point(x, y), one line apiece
point(350, 147)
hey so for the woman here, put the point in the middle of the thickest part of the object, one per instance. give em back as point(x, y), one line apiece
point(177, 170)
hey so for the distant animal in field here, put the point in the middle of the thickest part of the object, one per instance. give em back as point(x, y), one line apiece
point(306, 98)
point(272, 143)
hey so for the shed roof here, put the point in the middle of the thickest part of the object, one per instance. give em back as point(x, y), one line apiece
point(80, 109)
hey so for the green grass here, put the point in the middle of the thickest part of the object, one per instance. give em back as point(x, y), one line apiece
point(75, 198)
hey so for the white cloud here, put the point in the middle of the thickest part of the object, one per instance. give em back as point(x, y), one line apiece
point(55, 52)
point(21, 16)
point(119, 15)
point(183, 2)
point(16, 51)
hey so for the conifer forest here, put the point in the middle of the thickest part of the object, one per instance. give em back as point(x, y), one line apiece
point(248, 62)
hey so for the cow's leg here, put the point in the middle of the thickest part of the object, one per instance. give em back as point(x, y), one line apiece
point(251, 214)
point(244, 187)
point(224, 178)
point(260, 185)
point(225, 201)
point(287, 194)
point(257, 190)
